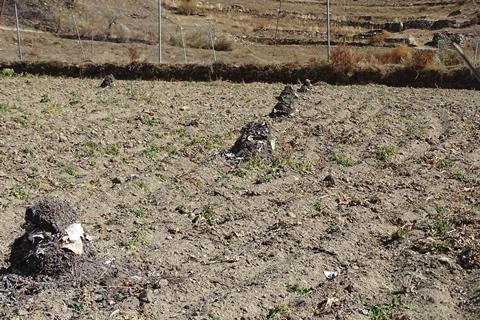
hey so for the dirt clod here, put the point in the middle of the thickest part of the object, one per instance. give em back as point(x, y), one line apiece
point(146, 296)
point(286, 103)
point(109, 81)
point(307, 86)
point(329, 181)
point(255, 141)
point(469, 258)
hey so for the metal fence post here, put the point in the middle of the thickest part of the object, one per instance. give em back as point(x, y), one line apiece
point(78, 35)
point(213, 44)
point(328, 31)
point(476, 54)
point(18, 32)
point(460, 51)
point(278, 19)
point(183, 43)
point(2, 8)
point(92, 44)
point(159, 31)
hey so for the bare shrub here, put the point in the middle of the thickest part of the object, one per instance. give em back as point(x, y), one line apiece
point(200, 38)
point(343, 56)
point(261, 24)
point(188, 7)
point(222, 43)
point(422, 59)
point(450, 58)
point(196, 38)
point(386, 58)
point(379, 38)
point(133, 54)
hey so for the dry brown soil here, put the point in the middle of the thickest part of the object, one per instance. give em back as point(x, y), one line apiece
point(185, 233)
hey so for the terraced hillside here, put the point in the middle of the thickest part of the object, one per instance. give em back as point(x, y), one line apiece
point(245, 31)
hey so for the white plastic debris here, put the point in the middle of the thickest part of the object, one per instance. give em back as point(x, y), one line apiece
point(75, 247)
point(330, 303)
point(330, 274)
point(272, 144)
point(74, 243)
point(75, 232)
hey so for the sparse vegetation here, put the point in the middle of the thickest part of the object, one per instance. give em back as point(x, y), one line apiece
point(295, 288)
point(384, 311)
point(139, 213)
point(278, 311)
point(208, 214)
point(318, 206)
point(342, 159)
point(142, 185)
point(73, 100)
point(333, 229)
point(19, 194)
point(380, 311)
point(5, 108)
point(386, 153)
point(188, 7)
point(7, 73)
point(399, 234)
point(112, 150)
point(151, 152)
point(135, 241)
point(77, 306)
point(45, 99)
point(440, 225)
point(70, 170)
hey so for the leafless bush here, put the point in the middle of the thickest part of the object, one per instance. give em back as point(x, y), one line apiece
point(379, 38)
point(343, 56)
point(188, 7)
point(200, 38)
point(133, 54)
point(422, 59)
point(222, 43)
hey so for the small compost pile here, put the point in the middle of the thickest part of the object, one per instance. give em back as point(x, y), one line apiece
point(53, 240)
point(286, 103)
point(307, 86)
point(255, 141)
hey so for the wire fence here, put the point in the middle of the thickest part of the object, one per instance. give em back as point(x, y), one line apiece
point(79, 31)
point(102, 33)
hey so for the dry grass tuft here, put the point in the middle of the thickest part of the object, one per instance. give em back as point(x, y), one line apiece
point(223, 43)
point(422, 59)
point(200, 38)
point(379, 38)
point(261, 24)
point(343, 56)
point(188, 7)
point(400, 54)
point(133, 55)
point(346, 57)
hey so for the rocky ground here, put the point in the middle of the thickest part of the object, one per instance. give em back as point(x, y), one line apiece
point(368, 207)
